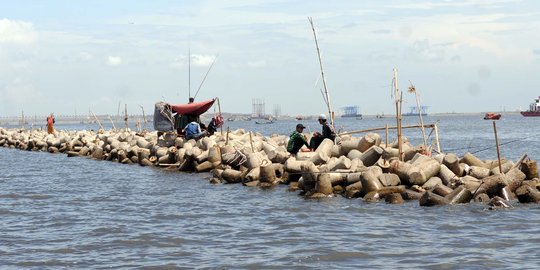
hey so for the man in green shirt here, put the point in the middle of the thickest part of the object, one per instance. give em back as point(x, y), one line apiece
point(297, 140)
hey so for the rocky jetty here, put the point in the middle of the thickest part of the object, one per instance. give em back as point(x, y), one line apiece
point(356, 167)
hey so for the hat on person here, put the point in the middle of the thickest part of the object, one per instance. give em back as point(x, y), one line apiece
point(322, 117)
point(300, 126)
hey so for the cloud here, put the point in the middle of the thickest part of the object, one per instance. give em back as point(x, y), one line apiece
point(422, 50)
point(17, 32)
point(114, 61)
point(202, 60)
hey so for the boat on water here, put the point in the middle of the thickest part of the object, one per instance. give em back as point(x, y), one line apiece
point(299, 117)
point(264, 122)
point(413, 111)
point(380, 115)
point(534, 109)
point(492, 116)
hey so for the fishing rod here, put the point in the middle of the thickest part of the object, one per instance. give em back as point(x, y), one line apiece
point(208, 71)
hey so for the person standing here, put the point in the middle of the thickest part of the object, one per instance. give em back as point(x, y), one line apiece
point(328, 132)
point(50, 124)
point(296, 140)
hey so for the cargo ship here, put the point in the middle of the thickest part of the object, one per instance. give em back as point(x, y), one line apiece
point(534, 109)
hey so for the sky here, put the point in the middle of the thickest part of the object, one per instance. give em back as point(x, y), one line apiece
point(69, 57)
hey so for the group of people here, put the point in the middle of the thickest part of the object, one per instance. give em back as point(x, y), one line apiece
point(297, 139)
point(196, 130)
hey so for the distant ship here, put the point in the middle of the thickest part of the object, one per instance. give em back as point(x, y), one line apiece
point(351, 111)
point(414, 111)
point(534, 109)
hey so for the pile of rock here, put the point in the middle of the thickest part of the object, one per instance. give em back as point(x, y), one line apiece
point(355, 167)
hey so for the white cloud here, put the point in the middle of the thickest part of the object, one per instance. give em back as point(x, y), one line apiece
point(17, 32)
point(202, 60)
point(114, 61)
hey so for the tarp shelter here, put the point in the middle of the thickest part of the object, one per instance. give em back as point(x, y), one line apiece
point(163, 120)
point(195, 108)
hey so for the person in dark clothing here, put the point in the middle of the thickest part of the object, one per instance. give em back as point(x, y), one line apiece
point(297, 140)
point(212, 126)
point(328, 132)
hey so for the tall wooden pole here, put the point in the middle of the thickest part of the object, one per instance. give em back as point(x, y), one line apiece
point(144, 117)
point(398, 113)
point(412, 89)
point(326, 95)
point(112, 123)
point(126, 117)
point(497, 143)
point(386, 135)
point(437, 138)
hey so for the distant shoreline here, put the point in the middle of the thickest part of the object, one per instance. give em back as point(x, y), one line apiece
point(40, 120)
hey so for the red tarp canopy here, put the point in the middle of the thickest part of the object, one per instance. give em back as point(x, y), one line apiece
point(195, 108)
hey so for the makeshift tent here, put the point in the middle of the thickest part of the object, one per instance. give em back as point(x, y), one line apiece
point(195, 108)
point(163, 117)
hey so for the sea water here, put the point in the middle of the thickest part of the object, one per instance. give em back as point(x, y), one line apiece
point(58, 212)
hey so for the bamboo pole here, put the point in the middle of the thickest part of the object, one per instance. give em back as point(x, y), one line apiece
point(219, 110)
point(112, 122)
point(251, 142)
point(396, 100)
point(126, 117)
point(144, 117)
point(497, 143)
point(227, 139)
point(327, 96)
point(97, 120)
point(383, 128)
point(436, 128)
point(412, 89)
point(387, 135)
point(400, 138)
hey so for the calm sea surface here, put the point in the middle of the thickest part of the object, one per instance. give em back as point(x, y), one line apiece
point(58, 212)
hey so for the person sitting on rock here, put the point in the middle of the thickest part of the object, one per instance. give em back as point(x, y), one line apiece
point(328, 132)
point(297, 140)
point(193, 131)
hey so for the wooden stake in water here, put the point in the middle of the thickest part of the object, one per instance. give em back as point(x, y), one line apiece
point(126, 117)
point(251, 142)
point(437, 138)
point(386, 135)
point(144, 118)
point(227, 139)
point(497, 143)
point(412, 89)
point(112, 123)
point(398, 122)
point(97, 120)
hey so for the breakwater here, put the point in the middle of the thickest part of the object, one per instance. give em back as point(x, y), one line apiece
point(355, 167)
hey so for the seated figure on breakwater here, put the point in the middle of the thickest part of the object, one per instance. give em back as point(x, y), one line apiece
point(328, 132)
point(193, 130)
point(296, 140)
